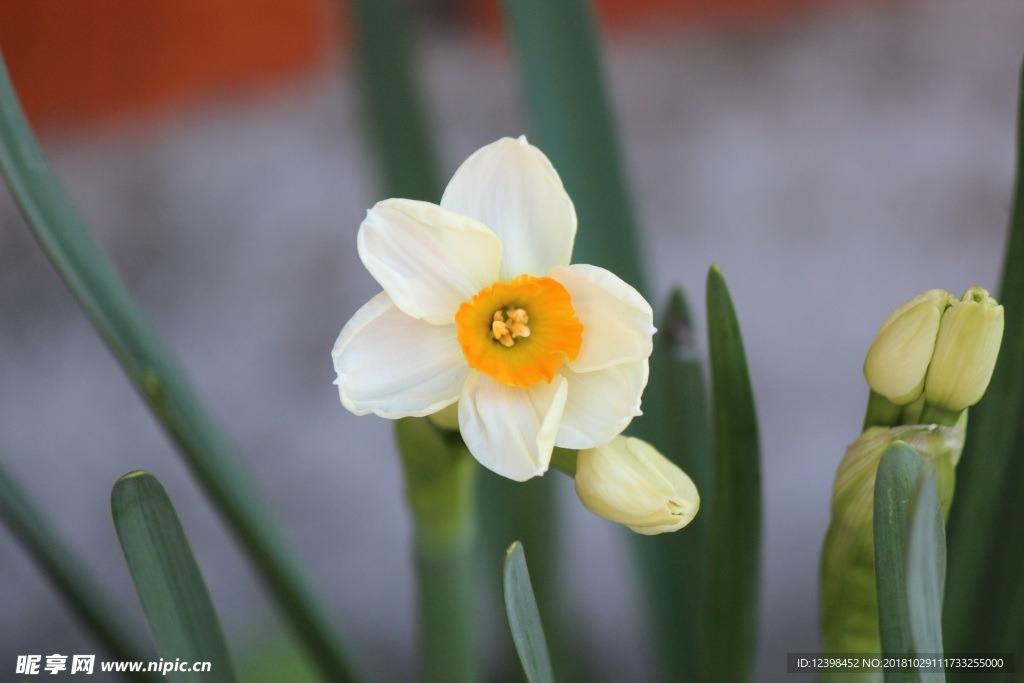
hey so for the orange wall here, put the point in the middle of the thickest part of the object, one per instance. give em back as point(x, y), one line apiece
point(81, 60)
point(612, 13)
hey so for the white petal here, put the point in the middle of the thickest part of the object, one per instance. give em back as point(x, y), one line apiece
point(396, 366)
point(600, 404)
point(428, 259)
point(618, 323)
point(512, 188)
point(511, 430)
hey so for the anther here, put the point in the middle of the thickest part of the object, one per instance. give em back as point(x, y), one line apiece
point(506, 331)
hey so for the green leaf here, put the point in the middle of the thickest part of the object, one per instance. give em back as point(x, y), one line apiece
point(558, 53)
point(524, 619)
point(88, 600)
point(684, 396)
point(926, 570)
point(167, 579)
point(899, 471)
point(571, 121)
point(394, 112)
point(526, 510)
point(100, 292)
point(910, 559)
point(734, 536)
point(985, 592)
point(274, 658)
point(678, 407)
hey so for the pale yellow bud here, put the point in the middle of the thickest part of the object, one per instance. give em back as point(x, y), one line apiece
point(628, 481)
point(965, 351)
point(897, 362)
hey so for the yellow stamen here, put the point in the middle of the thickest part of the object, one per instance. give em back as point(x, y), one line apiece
point(507, 331)
point(520, 332)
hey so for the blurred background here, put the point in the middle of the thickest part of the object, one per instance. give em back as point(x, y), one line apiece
point(833, 157)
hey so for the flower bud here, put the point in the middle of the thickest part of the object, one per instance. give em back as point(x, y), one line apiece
point(897, 362)
point(965, 351)
point(628, 481)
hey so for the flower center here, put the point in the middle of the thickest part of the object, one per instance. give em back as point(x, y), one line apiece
point(507, 330)
point(520, 332)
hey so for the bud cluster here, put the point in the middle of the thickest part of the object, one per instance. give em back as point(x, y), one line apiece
point(938, 348)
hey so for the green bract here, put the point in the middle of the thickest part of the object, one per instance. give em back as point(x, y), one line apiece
point(849, 606)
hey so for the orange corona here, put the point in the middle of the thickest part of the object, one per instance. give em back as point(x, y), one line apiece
point(520, 332)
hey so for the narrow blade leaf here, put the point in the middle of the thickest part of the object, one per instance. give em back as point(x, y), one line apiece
point(395, 116)
point(678, 406)
point(524, 619)
point(525, 510)
point(556, 45)
point(558, 53)
point(926, 571)
point(83, 594)
point(985, 591)
point(899, 471)
point(734, 536)
point(101, 293)
point(167, 579)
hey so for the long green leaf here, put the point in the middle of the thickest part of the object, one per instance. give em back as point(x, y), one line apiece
point(926, 571)
point(910, 560)
point(899, 471)
point(87, 599)
point(985, 592)
point(734, 546)
point(571, 121)
point(94, 282)
point(393, 109)
point(524, 619)
point(526, 510)
point(396, 120)
point(681, 408)
point(167, 580)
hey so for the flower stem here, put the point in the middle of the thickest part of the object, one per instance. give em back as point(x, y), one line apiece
point(564, 460)
point(935, 415)
point(881, 412)
point(444, 581)
point(440, 476)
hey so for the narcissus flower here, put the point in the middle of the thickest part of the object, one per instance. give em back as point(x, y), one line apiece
point(628, 481)
point(481, 307)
